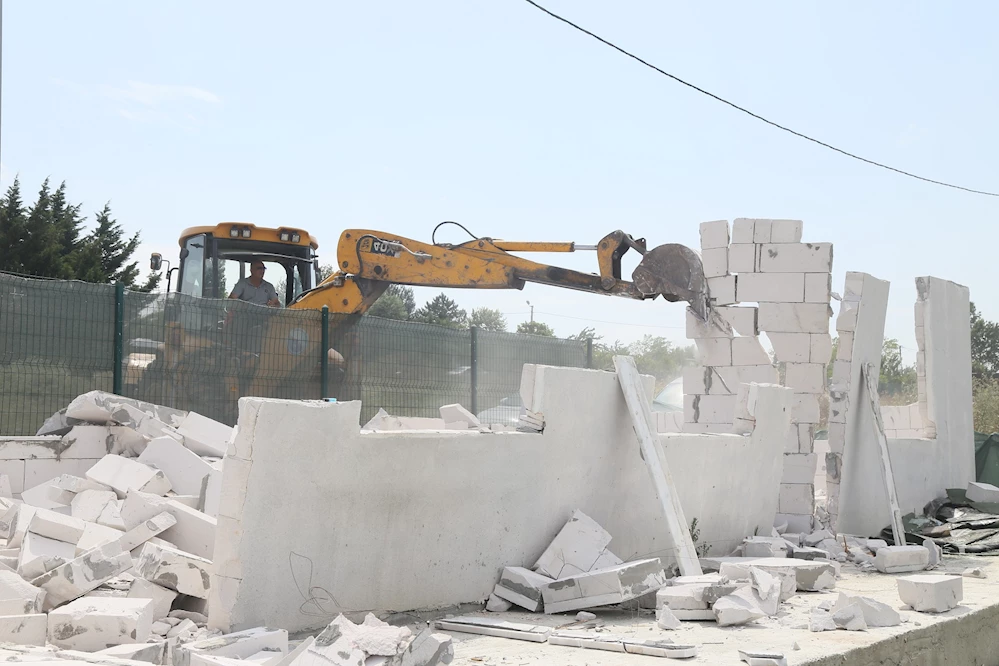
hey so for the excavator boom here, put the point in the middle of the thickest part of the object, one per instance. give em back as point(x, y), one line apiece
point(368, 261)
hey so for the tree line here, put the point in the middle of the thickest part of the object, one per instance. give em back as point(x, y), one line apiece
point(47, 239)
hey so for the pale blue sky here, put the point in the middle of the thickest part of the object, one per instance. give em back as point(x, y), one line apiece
point(397, 115)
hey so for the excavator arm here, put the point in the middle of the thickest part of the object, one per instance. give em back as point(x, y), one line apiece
point(369, 261)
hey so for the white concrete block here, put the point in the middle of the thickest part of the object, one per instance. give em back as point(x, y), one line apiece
point(604, 586)
point(205, 436)
point(714, 351)
point(982, 492)
point(150, 653)
point(161, 597)
point(715, 262)
point(194, 532)
point(746, 374)
point(77, 577)
point(24, 629)
point(40, 554)
point(185, 470)
point(111, 516)
point(174, 569)
point(797, 498)
point(146, 530)
point(522, 587)
point(97, 406)
point(455, 412)
point(818, 287)
point(771, 288)
point(46, 496)
point(791, 347)
point(708, 409)
point(762, 231)
point(796, 258)
point(743, 230)
point(715, 327)
point(846, 320)
point(123, 474)
point(239, 645)
point(721, 290)
point(794, 317)
point(575, 549)
point(748, 351)
point(804, 408)
point(785, 231)
point(930, 593)
point(714, 234)
point(805, 377)
point(18, 595)
point(799, 468)
point(23, 518)
point(742, 258)
point(741, 319)
point(56, 526)
point(90, 504)
point(92, 623)
point(697, 381)
point(821, 348)
point(95, 535)
point(900, 559)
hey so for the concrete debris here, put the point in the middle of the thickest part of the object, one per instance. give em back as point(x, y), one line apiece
point(901, 559)
point(602, 587)
point(931, 594)
point(92, 624)
point(876, 613)
point(762, 658)
point(982, 492)
point(766, 547)
point(490, 627)
point(821, 620)
point(583, 616)
point(522, 587)
point(973, 572)
point(497, 604)
point(850, 617)
point(612, 643)
point(935, 552)
point(575, 549)
point(666, 619)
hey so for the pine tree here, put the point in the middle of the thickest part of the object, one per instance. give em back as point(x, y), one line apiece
point(107, 245)
point(11, 229)
point(40, 252)
point(443, 312)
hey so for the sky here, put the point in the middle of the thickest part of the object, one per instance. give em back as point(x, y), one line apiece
point(397, 115)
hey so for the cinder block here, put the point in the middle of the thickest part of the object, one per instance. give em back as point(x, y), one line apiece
point(56, 526)
point(205, 436)
point(743, 230)
point(455, 412)
point(805, 377)
point(174, 569)
point(901, 559)
point(771, 288)
point(785, 231)
point(748, 351)
point(194, 532)
point(746, 374)
point(93, 623)
point(161, 597)
point(804, 408)
point(818, 287)
point(575, 549)
point(184, 469)
point(796, 258)
point(982, 492)
point(715, 327)
point(77, 577)
point(799, 468)
point(122, 475)
point(715, 262)
point(714, 234)
point(791, 347)
point(762, 231)
point(721, 290)
point(931, 594)
point(742, 258)
point(794, 317)
point(40, 554)
point(708, 409)
point(741, 319)
point(24, 629)
point(821, 348)
point(714, 351)
point(798, 498)
point(696, 380)
point(522, 587)
point(604, 586)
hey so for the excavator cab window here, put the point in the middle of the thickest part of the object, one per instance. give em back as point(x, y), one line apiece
point(192, 266)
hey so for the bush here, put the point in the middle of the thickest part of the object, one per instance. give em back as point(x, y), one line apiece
point(985, 404)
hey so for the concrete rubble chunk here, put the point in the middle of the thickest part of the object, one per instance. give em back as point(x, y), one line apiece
point(238, 645)
point(122, 474)
point(146, 530)
point(765, 547)
point(762, 658)
point(850, 617)
point(373, 637)
point(92, 624)
point(666, 619)
point(497, 604)
point(931, 593)
point(575, 549)
point(77, 577)
point(46, 496)
point(184, 469)
point(174, 569)
point(111, 516)
point(738, 608)
point(40, 554)
point(194, 532)
point(681, 597)
point(204, 436)
point(974, 572)
point(30, 629)
point(96, 407)
point(25, 596)
point(876, 613)
point(427, 649)
point(161, 597)
point(454, 413)
point(901, 559)
point(807, 575)
point(821, 620)
point(88, 505)
point(56, 526)
point(982, 492)
point(604, 586)
point(522, 587)
point(152, 653)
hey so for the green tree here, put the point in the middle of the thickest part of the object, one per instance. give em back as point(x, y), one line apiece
point(984, 346)
point(442, 311)
point(897, 383)
point(654, 355)
point(11, 229)
point(108, 252)
point(488, 319)
point(535, 328)
point(397, 302)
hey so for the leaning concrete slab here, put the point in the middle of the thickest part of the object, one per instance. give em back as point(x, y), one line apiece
point(362, 551)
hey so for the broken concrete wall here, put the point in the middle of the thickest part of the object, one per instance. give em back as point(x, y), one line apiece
point(923, 468)
point(903, 421)
point(317, 517)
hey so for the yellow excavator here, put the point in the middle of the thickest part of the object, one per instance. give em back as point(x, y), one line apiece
point(368, 262)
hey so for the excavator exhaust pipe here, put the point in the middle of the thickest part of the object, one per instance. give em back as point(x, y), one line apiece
point(675, 272)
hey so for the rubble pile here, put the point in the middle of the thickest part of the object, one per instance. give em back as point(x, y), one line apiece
point(115, 566)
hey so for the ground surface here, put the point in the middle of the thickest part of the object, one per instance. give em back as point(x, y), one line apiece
point(948, 638)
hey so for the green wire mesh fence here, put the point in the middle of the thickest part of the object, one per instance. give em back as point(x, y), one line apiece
point(60, 339)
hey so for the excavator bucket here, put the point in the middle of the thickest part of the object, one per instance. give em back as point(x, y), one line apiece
point(675, 272)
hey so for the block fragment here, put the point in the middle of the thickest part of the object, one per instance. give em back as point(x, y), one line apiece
point(455, 412)
point(488, 626)
point(174, 569)
point(183, 468)
point(161, 597)
point(56, 526)
point(19, 595)
point(240, 645)
point(771, 288)
point(796, 258)
point(741, 319)
point(876, 613)
point(123, 474)
point(757, 546)
point(40, 554)
point(982, 492)
point(714, 234)
point(205, 436)
point(604, 586)
point(146, 530)
point(522, 587)
point(95, 535)
point(808, 575)
point(46, 496)
point(24, 629)
point(194, 532)
point(900, 559)
point(497, 604)
point(88, 505)
point(575, 549)
point(77, 577)
point(151, 653)
point(91, 624)
point(931, 594)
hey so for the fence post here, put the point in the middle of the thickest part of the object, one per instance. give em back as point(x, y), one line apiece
point(324, 359)
point(474, 406)
point(118, 357)
point(589, 353)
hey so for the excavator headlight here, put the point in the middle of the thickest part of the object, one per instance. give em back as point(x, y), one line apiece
point(246, 232)
point(296, 238)
point(234, 232)
point(284, 236)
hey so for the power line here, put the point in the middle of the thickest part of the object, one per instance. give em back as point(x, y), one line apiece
point(750, 113)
